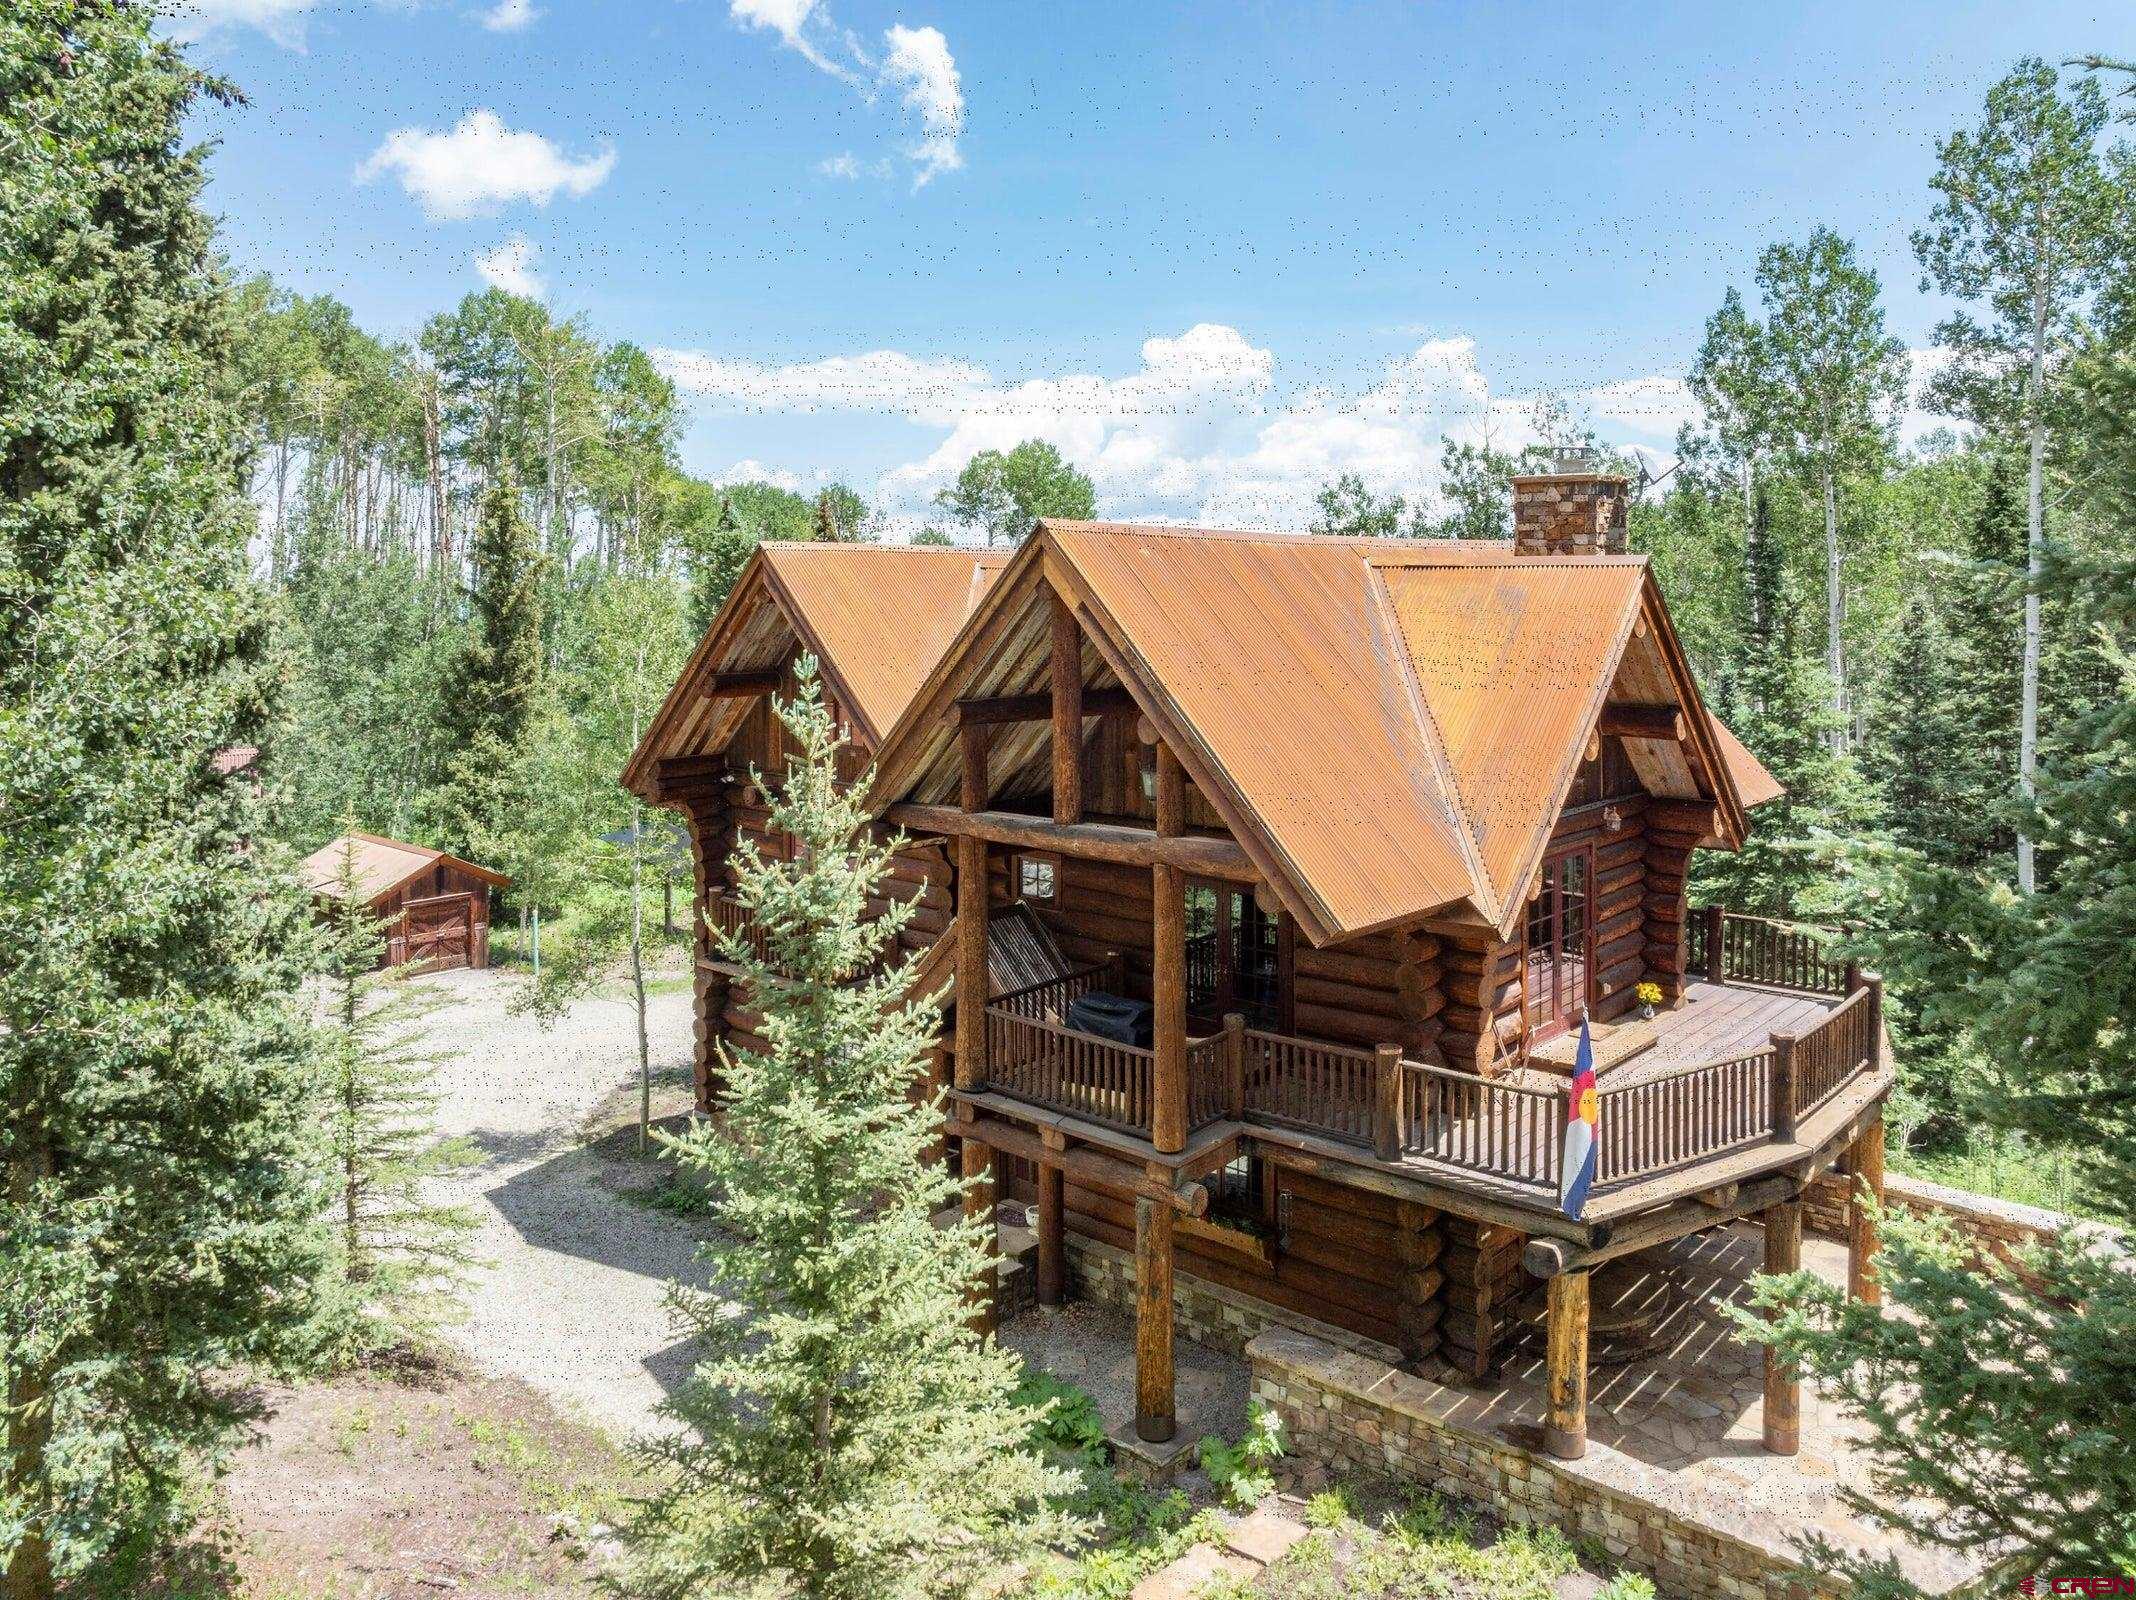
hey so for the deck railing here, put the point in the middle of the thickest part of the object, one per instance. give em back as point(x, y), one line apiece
point(727, 914)
point(1396, 1109)
point(1764, 950)
point(1507, 1130)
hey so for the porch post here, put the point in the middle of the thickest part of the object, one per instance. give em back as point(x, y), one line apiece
point(1565, 1427)
point(1067, 714)
point(1783, 1386)
point(1865, 1167)
point(1716, 935)
point(973, 989)
point(1168, 969)
point(979, 1206)
point(1052, 1260)
point(1156, 1418)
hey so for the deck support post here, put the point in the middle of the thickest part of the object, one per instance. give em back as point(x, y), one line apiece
point(1865, 1169)
point(1156, 1412)
point(1716, 935)
point(1783, 1385)
point(1067, 668)
point(979, 1199)
point(1052, 1287)
point(1565, 1427)
point(1387, 1102)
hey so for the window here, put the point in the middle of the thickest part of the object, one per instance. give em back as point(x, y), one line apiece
point(1035, 877)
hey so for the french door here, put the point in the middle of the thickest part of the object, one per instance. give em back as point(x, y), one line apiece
point(1560, 945)
point(1234, 956)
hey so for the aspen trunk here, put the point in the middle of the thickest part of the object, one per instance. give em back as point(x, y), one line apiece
point(29, 1564)
point(1835, 616)
point(2028, 728)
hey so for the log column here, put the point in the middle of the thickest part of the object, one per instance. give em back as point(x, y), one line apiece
point(1067, 715)
point(1783, 1387)
point(1156, 1413)
point(973, 989)
point(1866, 1169)
point(979, 1207)
point(1168, 971)
point(1565, 1427)
point(1052, 1288)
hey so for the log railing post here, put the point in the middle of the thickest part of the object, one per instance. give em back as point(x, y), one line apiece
point(1156, 1416)
point(1235, 1066)
point(1387, 1102)
point(1716, 941)
point(1865, 1197)
point(1168, 1002)
point(1783, 1385)
point(1782, 1084)
point(1052, 1259)
point(1067, 668)
point(1565, 1359)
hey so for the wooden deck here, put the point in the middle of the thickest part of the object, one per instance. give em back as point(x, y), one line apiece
point(1714, 1022)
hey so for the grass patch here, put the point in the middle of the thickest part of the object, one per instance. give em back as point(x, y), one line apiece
point(581, 1485)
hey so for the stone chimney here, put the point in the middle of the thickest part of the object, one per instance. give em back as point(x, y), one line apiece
point(1572, 510)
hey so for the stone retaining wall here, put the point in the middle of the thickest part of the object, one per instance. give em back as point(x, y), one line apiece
point(1205, 1312)
point(1352, 1413)
point(1997, 1229)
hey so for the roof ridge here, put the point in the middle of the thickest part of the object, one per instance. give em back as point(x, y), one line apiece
point(1435, 737)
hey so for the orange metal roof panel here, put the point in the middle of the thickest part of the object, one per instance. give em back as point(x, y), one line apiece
point(1278, 655)
point(882, 614)
point(1513, 659)
point(376, 865)
point(1754, 785)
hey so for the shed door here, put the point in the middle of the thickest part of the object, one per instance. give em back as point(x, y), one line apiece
point(440, 931)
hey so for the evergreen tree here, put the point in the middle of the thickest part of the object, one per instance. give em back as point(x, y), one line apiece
point(850, 1437)
point(1915, 758)
point(402, 1255)
point(2001, 1410)
point(163, 1180)
point(1987, 641)
point(490, 694)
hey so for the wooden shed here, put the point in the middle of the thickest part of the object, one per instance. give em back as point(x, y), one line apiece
point(435, 906)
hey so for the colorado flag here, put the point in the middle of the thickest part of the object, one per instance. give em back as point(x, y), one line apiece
point(1576, 1174)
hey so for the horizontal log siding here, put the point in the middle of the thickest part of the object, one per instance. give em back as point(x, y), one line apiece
point(1344, 1256)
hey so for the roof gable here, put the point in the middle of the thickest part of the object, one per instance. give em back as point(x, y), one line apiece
point(376, 866)
point(876, 618)
point(1389, 728)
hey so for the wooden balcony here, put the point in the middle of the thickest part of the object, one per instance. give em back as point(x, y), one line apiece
point(1738, 1068)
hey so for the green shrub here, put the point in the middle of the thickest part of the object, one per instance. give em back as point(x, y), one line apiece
point(1626, 1586)
point(1067, 1417)
point(1330, 1508)
point(1241, 1470)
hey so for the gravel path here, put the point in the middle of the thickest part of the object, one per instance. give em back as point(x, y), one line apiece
point(570, 1294)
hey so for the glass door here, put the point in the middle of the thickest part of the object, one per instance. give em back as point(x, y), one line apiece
point(1559, 958)
point(1233, 957)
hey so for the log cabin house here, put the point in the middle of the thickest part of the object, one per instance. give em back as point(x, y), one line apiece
point(435, 907)
point(1335, 843)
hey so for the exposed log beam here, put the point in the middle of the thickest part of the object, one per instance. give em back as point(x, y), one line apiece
point(1550, 1258)
point(1067, 713)
point(1642, 722)
point(1039, 707)
point(1091, 1169)
point(1095, 841)
point(740, 685)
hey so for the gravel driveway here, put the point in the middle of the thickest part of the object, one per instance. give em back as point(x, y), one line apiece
point(569, 1295)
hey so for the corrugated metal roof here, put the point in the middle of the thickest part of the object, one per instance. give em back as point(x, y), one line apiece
point(376, 865)
point(1390, 727)
point(1754, 785)
point(878, 618)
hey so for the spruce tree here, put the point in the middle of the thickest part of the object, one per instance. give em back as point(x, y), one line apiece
point(490, 695)
point(845, 1434)
point(1915, 759)
point(2001, 1409)
point(402, 1255)
point(1988, 645)
point(163, 1177)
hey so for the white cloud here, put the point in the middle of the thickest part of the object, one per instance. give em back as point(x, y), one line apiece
point(510, 267)
point(880, 380)
point(920, 66)
point(750, 470)
point(843, 165)
point(480, 166)
point(509, 16)
point(1205, 428)
point(281, 20)
point(790, 20)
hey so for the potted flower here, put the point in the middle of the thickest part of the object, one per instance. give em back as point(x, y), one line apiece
point(1649, 997)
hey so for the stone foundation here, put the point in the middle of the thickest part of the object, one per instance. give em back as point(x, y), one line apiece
point(1205, 1312)
point(1353, 1413)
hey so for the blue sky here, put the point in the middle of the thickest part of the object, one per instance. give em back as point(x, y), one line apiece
point(1214, 252)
